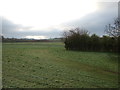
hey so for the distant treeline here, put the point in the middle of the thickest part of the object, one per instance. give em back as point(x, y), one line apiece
point(82, 41)
point(29, 40)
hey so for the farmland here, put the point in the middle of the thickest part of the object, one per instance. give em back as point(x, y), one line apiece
point(49, 65)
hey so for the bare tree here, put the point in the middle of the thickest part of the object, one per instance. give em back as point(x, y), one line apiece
point(113, 30)
point(75, 31)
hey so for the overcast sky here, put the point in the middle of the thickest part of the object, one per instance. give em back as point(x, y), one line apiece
point(49, 18)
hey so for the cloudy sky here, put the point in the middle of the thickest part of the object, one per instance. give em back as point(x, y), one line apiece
point(41, 19)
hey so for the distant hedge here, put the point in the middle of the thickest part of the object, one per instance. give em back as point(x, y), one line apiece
point(79, 39)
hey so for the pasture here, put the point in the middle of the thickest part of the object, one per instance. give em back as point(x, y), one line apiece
point(49, 65)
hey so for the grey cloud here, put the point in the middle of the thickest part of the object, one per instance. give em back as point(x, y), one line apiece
point(8, 26)
point(9, 29)
point(95, 22)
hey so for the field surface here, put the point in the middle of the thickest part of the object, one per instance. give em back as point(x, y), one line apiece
point(49, 65)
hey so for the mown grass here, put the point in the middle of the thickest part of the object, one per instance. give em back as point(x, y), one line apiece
point(49, 65)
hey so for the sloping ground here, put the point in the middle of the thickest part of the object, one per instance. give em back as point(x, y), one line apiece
point(44, 65)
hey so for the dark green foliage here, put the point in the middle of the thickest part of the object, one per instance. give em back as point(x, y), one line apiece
point(95, 42)
point(78, 39)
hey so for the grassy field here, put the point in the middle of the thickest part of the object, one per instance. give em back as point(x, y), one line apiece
point(49, 65)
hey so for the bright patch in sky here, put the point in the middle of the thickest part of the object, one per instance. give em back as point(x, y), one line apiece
point(41, 14)
point(36, 37)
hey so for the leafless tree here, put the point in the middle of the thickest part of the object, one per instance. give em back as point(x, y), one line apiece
point(113, 30)
point(74, 31)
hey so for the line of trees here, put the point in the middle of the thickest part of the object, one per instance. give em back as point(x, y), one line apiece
point(4, 39)
point(79, 39)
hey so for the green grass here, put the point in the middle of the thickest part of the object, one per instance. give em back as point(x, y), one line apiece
point(49, 65)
